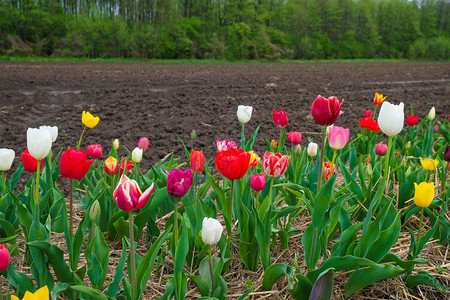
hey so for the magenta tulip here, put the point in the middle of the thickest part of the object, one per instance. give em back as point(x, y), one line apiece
point(95, 151)
point(143, 143)
point(338, 137)
point(257, 182)
point(4, 258)
point(295, 137)
point(128, 195)
point(280, 118)
point(381, 149)
point(179, 182)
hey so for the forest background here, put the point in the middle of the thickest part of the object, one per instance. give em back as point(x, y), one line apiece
point(226, 29)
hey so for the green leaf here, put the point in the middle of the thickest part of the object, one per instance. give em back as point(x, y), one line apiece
point(180, 259)
point(201, 284)
point(385, 241)
point(97, 255)
point(251, 141)
point(424, 278)
point(92, 293)
point(322, 202)
point(19, 280)
point(302, 288)
point(323, 287)
point(114, 288)
point(310, 242)
point(274, 272)
point(364, 277)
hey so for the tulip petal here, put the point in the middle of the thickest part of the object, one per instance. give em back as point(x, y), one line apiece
point(145, 196)
point(123, 199)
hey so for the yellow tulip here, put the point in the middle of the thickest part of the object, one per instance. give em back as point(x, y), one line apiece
point(40, 294)
point(424, 194)
point(89, 120)
point(428, 163)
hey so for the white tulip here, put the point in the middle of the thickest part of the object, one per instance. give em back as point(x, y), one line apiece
point(312, 149)
point(244, 113)
point(53, 130)
point(136, 155)
point(391, 118)
point(39, 142)
point(432, 114)
point(6, 158)
point(211, 231)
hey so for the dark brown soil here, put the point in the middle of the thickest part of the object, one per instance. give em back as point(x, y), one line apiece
point(164, 101)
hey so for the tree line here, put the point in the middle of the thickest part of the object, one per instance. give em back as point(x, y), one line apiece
point(226, 29)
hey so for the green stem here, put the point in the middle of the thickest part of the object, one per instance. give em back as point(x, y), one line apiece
point(386, 164)
point(137, 172)
point(81, 136)
point(332, 161)
point(375, 113)
point(175, 223)
point(243, 137)
point(322, 148)
point(270, 190)
point(71, 210)
point(195, 187)
point(36, 196)
point(4, 182)
point(50, 159)
point(231, 202)
point(443, 188)
point(211, 272)
point(418, 232)
point(279, 143)
point(112, 192)
point(132, 257)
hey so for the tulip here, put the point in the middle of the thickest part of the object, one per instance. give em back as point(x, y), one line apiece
point(273, 144)
point(298, 149)
point(312, 149)
point(4, 258)
point(436, 128)
point(211, 231)
point(244, 113)
point(39, 142)
point(143, 143)
point(408, 145)
point(447, 154)
point(95, 151)
point(432, 114)
point(326, 111)
point(29, 162)
point(89, 120)
point(116, 144)
point(74, 164)
point(233, 163)
point(327, 165)
point(280, 118)
point(378, 100)
point(274, 164)
point(40, 294)
point(338, 137)
point(94, 212)
point(424, 194)
point(136, 155)
point(193, 135)
point(369, 124)
point(52, 130)
point(179, 182)
point(254, 159)
point(129, 166)
point(367, 114)
point(381, 149)
point(257, 182)
point(428, 163)
point(128, 195)
point(295, 137)
point(225, 145)
point(6, 159)
point(391, 118)
point(197, 160)
point(412, 120)
point(111, 165)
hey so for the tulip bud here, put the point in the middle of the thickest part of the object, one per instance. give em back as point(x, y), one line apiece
point(298, 149)
point(143, 143)
point(381, 149)
point(111, 165)
point(280, 118)
point(412, 120)
point(39, 142)
point(94, 212)
point(408, 145)
point(52, 130)
point(432, 114)
point(193, 135)
point(116, 144)
point(436, 128)
point(369, 159)
point(257, 182)
point(197, 160)
point(95, 151)
point(369, 170)
point(273, 144)
point(396, 153)
point(6, 159)
point(408, 172)
point(136, 155)
point(244, 113)
point(294, 137)
point(312, 149)
point(4, 258)
point(447, 154)
point(211, 231)
point(423, 194)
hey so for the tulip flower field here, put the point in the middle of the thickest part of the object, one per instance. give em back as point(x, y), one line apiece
point(298, 215)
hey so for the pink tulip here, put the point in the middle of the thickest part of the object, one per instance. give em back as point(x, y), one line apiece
point(274, 164)
point(338, 137)
point(128, 195)
point(257, 182)
point(225, 145)
point(143, 143)
point(95, 151)
point(179, 182)
point(4, 258)
point(381, 149)
point(295, 137)
point(280, 118)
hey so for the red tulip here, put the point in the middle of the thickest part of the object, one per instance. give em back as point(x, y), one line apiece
point(412, 120)
point(327, 166)
point(4, 257)
point(74, 164)
point(326, 111)
point(95, 151)
point(257, 182)
point(111, 165)
point(381, 149)
point(29, 162)
point(369, 124)
point(197, 159)
point(367, 113)
point(254, 159)
point(274, 164)
point(129, 166)
point(295, 137)
point(179, 182)
point(280, 118)
point(128, 195)
point(233, 163)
